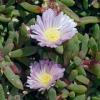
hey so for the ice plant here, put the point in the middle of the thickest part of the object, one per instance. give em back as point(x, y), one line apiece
point(44, 74)
point(52, 29)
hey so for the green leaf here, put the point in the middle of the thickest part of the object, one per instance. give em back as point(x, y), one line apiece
point(29, 7)
point(77, 61)
point(72, 94)
point(88, 20)
point(60, 84)
point(96, 4)
point(97, 70)
point(83, 79)
point(14, 79)
point(10, 2)
point(73, 75)
point(20, 13)
point(64, 94)
point(31, 22)
point(3, 18)
point(59, 49)
point(77, 88)
point(68, 2)
point(96, 31)
point(68, 52)
point(25, 60)
point(6, 49)
point(80, 97)
point(52, 94)
point(2, 95)
point(67, 11)
point(2, 7)
point(27, 51)
point(85, 4)
point(9, 9)
point(55, 58)
point(85, 43)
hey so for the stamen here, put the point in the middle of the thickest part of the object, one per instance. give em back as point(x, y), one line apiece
point(52, 35)
point(45, 78)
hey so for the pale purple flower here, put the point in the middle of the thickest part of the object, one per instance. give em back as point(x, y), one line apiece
point(44, 74)
point(52, 29)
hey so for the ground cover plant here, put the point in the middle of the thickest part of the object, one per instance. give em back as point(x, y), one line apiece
point(49, 50)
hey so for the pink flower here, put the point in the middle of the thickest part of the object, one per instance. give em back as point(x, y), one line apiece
point(52, 29)
point(44, 74)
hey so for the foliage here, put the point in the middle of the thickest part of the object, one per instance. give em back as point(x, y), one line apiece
point(80, 55)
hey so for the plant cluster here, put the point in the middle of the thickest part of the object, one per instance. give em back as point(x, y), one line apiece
point(49, 50)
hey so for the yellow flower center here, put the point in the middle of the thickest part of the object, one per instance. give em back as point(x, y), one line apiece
point(52, 35)
point(45, 78)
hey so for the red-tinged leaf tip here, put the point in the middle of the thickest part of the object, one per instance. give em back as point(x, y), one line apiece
point(15, 69)
point(38, 8)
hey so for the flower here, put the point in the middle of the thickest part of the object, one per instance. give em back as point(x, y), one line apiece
point(43, 74)
point(52, 29)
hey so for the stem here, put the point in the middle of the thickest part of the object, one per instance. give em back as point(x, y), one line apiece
point(59, 97)
point(89, 68)
point(89, 62)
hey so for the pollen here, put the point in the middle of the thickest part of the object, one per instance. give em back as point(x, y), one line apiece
point(45, 78)
point(52, 35)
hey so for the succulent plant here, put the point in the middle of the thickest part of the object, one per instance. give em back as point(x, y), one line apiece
point(80, 56)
